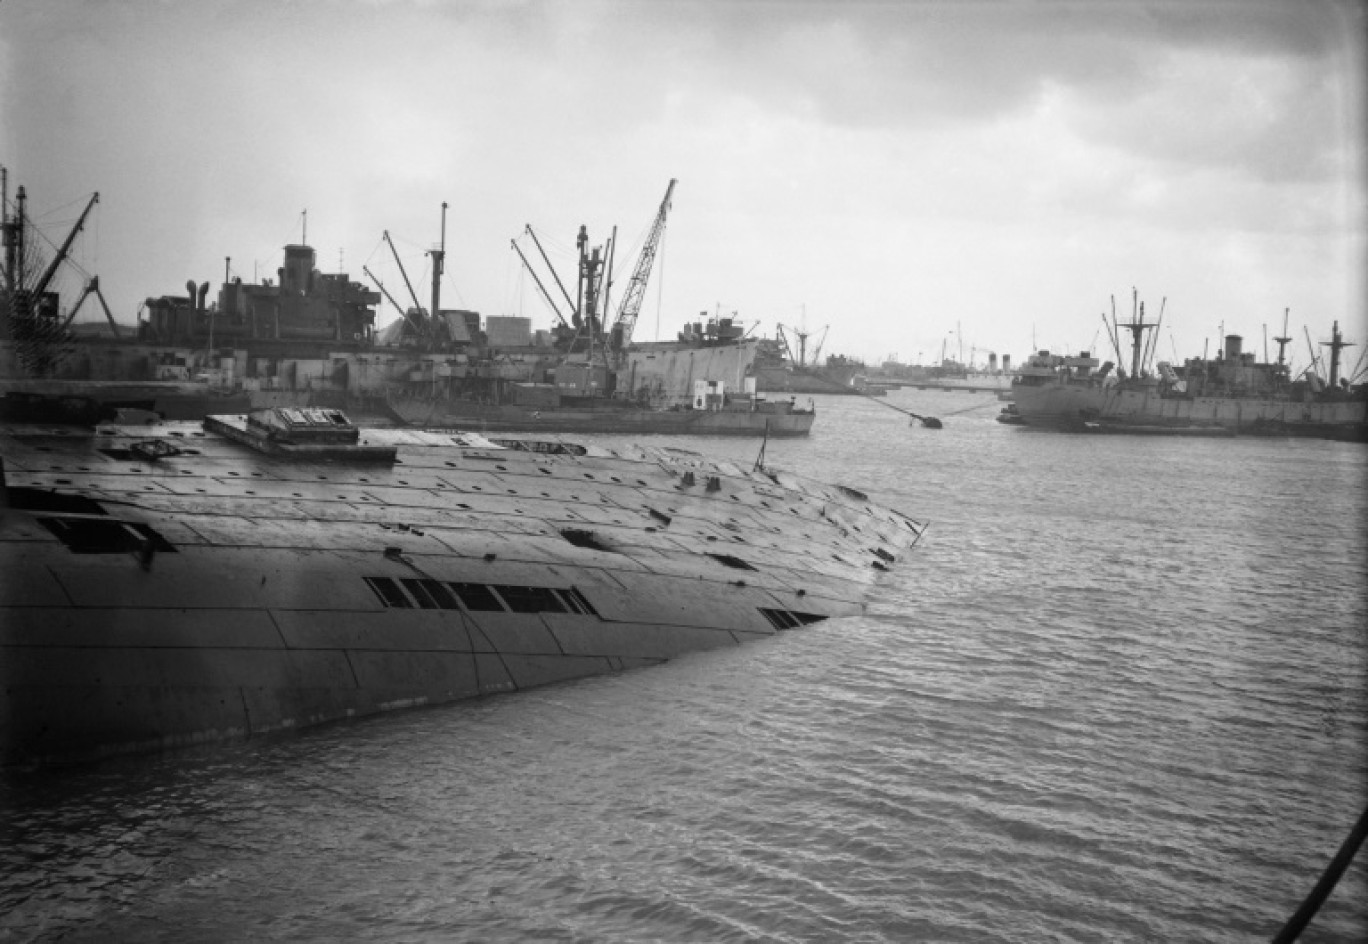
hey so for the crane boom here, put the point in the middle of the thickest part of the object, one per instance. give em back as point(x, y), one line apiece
point(413, 295)
point(636, 288)
point(546, 295)
point(41, 285)
point(404, 314)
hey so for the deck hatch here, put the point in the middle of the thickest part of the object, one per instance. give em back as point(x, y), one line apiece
point(732, 561)
point(105, 535)
point(582, 538)
point(39, 499)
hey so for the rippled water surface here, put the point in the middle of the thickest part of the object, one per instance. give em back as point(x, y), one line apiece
point(1118, 693)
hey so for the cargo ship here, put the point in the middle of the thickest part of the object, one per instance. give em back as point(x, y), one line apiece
point(597, 379)
point(700, 384)
point(1227, 395)
point(783, 366)
point(309, 338)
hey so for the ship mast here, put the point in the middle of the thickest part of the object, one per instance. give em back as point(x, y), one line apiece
point(1137, 326)
point(438, 267)
point(7, 232)
point(1285, 339)
point(1336, 343)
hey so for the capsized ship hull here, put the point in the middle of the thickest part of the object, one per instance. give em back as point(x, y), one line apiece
point(173, 584)
point(1120, 407)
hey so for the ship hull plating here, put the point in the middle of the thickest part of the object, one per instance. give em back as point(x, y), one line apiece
point(1079, 406)
point(682, 422)
point(159, 596)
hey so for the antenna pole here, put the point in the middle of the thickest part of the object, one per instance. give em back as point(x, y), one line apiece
point(438, 267)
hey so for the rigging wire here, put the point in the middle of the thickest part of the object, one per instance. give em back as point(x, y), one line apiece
point(660, 282)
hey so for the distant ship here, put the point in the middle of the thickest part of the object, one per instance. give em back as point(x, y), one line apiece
point(598, 379)
point(310, 339)
point(1230, 394)
point(783, 366)
point(701, 384)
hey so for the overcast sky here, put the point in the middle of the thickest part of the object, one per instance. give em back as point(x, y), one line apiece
point(897, 171)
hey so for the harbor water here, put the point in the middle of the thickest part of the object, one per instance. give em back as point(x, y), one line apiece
point(1119, 692)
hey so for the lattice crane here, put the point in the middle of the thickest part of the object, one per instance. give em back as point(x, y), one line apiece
point(636, 288)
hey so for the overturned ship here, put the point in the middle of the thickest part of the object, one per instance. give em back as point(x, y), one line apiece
point(179, 583)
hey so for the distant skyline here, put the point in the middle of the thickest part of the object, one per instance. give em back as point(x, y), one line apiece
point(910, 174)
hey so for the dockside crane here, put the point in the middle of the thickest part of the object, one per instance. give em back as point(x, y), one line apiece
point(92, 288)
point(41, 286)
point(636, 288)
point(26, 323)
point(424, 324)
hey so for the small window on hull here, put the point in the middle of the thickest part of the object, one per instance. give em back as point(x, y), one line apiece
point(407, 593)
point(430, 594)
point(477, 597)
point(788, 619)
point(389, 593)
point(531, 599)
point(577, 602)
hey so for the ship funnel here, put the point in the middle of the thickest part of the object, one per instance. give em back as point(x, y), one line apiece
point(298, 269)
point(1232, 347)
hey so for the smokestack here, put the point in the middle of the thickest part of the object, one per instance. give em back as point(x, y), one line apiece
point(1232, 347)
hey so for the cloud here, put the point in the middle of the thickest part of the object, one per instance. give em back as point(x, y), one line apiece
point(886, 158)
